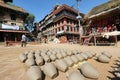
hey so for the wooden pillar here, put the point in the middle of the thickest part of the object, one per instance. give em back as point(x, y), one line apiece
point(69, 28)
point(73, 37)
point(5, 41)
point(116, 40)
point(72, 29)
point(95, 40)
point(5, 38)
point(64, 28)
point(15, 39)
point(65, 21)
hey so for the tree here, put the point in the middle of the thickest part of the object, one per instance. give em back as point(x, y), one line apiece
point(29, 22)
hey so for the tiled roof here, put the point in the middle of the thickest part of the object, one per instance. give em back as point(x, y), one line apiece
point(104, 7)
point(13, 7)
point(64, 6)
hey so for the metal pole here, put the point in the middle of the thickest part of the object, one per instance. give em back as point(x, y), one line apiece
point(79, 24)
point(78, 6)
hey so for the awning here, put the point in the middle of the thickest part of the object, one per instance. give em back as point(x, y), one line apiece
point(67, 32)
point(60, 32)
point(15, 31)
point(113, 33)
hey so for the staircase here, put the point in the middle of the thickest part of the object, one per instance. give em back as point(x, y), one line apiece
point(87, 40)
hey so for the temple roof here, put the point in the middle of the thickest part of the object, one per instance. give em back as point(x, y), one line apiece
point(104, 7)
point(13, 7)
point(59, 8)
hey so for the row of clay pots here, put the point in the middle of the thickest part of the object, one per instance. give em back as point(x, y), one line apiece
point(49, 69)
point(33, 58)
point(39, 58)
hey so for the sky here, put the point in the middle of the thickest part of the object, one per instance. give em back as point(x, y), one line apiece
point(40, 8)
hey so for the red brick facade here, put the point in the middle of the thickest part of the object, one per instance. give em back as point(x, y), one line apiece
point(64, 25)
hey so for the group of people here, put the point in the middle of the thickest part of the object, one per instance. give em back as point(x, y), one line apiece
point(107, 28)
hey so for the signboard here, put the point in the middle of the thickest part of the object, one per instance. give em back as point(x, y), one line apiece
point(60, 32)
point(4, 26)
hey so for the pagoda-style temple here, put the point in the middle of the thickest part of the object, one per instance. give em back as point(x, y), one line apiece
point(11, 21)
point(102, 19)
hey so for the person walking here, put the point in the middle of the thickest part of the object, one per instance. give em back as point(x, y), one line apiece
point(23, 41)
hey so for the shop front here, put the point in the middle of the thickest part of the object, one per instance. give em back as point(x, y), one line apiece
point(68, 37)
point(11, 35)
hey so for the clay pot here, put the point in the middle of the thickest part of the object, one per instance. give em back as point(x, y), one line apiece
point(89, 71)
point(69, 53)
point(89, 55)
point(59, 56)
point(50, 70)
point(39, 60)
point(22, 57)
point(103, 58)
point(74, 59)
point(80, 58)
point(61, 65)
point(30, 62)
point(53, 57)
point(69, 61)
point(76, 76)
point(30, 55)
point(34, 73)
point(45, 57)
point(84, 56)
point(107, 54)
point(63, 53)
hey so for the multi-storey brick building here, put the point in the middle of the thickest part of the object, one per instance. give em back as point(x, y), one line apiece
point(61, 23)
point(11, 21)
